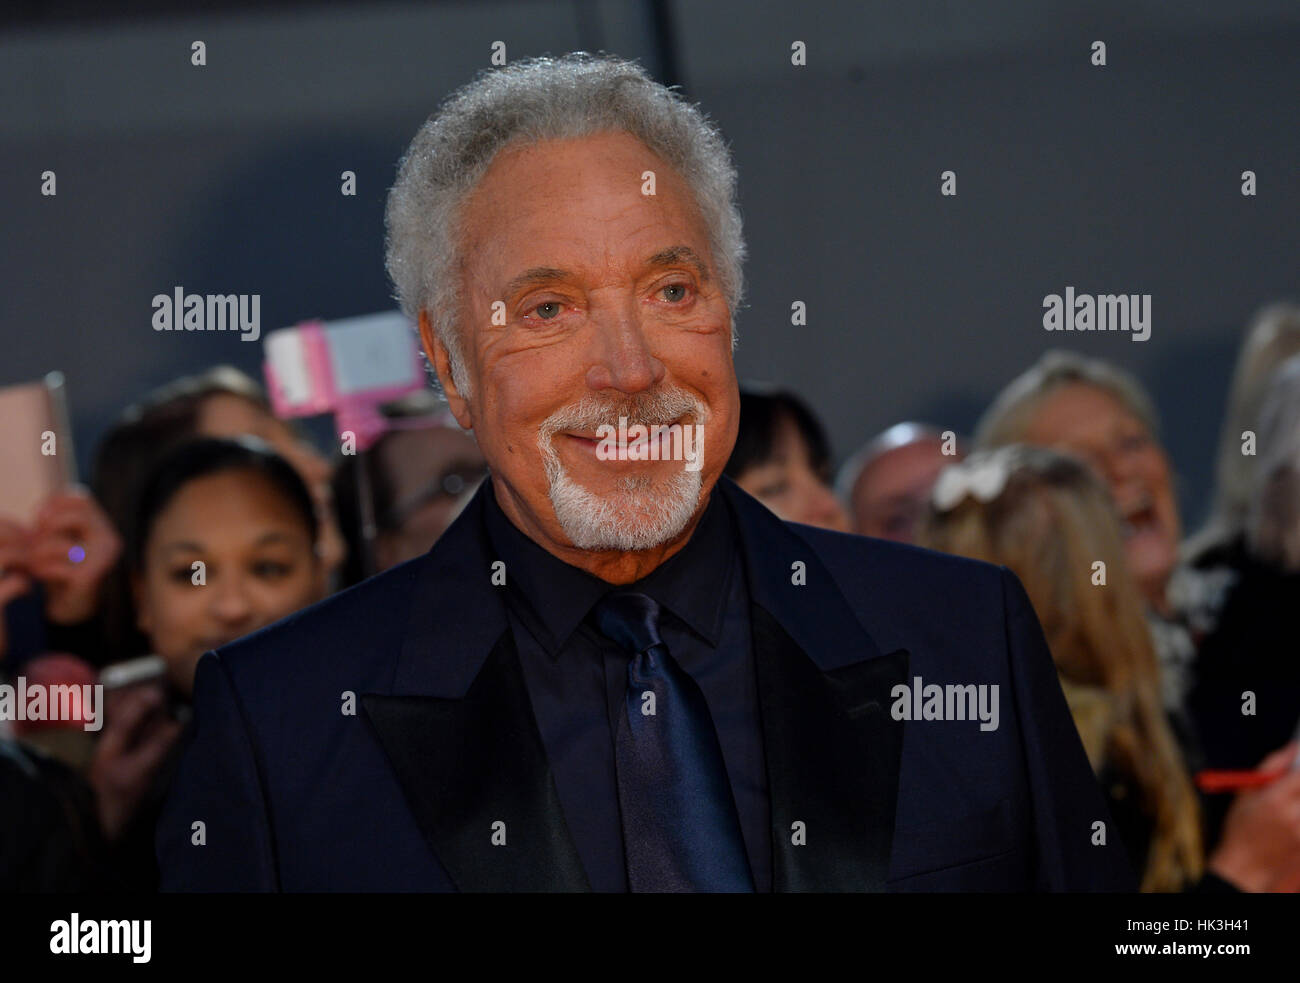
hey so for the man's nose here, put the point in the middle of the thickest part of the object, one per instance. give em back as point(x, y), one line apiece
point(624, 360)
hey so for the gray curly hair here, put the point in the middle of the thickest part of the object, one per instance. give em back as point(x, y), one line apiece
point(539, 99)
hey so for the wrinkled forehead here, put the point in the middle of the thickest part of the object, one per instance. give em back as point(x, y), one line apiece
point(601, 197)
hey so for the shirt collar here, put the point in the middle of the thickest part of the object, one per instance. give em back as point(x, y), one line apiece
point(694, 582)
point(554, 598)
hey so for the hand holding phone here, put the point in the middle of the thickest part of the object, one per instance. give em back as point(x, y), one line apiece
point(138, 733)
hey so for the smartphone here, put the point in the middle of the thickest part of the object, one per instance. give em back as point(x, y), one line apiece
point(133, 672)
point(36, 446)
point(147, 670)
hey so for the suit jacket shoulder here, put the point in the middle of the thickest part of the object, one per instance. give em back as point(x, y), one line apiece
point(895, 587)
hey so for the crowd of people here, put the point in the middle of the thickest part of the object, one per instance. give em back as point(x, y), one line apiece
point(1175, 656)
point(1173, 653)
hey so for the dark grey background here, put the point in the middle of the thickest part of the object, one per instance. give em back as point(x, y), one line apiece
point(225, 179)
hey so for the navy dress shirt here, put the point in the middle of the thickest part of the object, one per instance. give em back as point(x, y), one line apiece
point(577, 678)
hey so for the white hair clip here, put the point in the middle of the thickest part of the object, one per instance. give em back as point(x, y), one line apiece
point(983, 475)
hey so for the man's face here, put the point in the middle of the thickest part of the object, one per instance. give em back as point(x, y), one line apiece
point(611, 307)
point(430, 470)
point(891, 493)
point(1095, 426)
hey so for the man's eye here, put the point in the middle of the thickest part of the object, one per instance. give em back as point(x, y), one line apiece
point(675, 292)
point(548, 311)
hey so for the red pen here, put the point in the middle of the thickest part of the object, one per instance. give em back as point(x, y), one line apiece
point(1211, 781)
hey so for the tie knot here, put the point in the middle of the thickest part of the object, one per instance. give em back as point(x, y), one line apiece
point(629, 618)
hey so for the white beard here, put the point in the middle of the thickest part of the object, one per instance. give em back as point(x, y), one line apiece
point(642, 513)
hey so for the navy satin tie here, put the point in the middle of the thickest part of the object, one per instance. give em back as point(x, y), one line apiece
point(681, 830)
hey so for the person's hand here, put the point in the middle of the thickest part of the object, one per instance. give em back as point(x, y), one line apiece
point(14, 581)
point(73, 547)
point(135, 740)
point(1260, 848)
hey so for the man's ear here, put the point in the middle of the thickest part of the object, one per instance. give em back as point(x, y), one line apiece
point(441, 360)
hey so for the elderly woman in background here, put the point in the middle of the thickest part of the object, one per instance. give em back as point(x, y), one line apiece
point(1102, 415)
point(1047, 517)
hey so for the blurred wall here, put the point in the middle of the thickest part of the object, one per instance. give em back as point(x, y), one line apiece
point(1115, 179)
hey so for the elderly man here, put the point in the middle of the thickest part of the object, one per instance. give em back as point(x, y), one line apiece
point(617, 671)
point(887, 482)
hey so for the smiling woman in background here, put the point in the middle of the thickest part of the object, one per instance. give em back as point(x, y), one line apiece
point(222, 541)
point(221, 402)
point(1104, 417)
point(223, 544)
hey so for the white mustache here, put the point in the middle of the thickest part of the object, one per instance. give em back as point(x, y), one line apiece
point(659, 408)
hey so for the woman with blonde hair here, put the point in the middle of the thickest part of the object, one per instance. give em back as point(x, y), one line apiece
point(1096, 412)
point(1047, 517)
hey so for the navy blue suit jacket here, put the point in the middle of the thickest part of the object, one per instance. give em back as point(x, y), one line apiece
point(281, 788)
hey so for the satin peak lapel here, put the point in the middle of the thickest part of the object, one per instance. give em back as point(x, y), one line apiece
point(468, 766)
point(833, 754)
point(833, 749)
